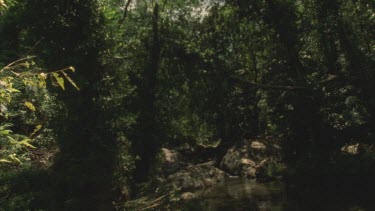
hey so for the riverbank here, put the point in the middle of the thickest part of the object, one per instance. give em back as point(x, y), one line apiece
point(252, 175)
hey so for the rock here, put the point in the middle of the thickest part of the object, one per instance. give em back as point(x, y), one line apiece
point(248, 169)
point(199, 153)
point(247, 162)
point(231, 161)
point(258, 145)
point(236, 162)
point(197, 177)
point(208, 182)
point(250, 156)
point(262, 163)
point(351, 149)
point(188, 196)
point(249, 172)
point(170, 156)
point(169, 162)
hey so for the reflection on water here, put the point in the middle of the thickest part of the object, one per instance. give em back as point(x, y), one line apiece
point(242, 194)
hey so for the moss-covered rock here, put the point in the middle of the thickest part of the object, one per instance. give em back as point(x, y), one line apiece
point(251, 157)
point(197, 177)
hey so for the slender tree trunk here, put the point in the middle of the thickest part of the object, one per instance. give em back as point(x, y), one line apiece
point(147, 142)
point(302, 119)
point(254, 63)
point(327, 43)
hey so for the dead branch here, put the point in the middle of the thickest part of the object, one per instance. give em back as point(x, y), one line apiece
point(15, 62)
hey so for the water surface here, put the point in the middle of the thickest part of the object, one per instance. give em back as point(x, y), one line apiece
point(242, 194)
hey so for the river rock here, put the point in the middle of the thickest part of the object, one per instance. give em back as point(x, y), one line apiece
point(197, 177)
point(231, 161)
point(250, 172)
point(188, 196)
point(237, 162)
point(168, 162)
point(258, 145)
point(250, 156)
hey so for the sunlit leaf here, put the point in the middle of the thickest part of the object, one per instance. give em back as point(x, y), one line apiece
point(12, 90)
point(59, 80)
point(30, 106)
point(37, 128)
point(5, 132)
point(5, 161)
point(25, 142)
point(2, 4)
point(12, 140)
point(14, 157)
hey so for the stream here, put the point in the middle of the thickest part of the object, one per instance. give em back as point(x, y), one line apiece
point(243, 194)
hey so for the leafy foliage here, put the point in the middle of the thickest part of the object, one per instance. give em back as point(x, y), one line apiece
point(23, 85)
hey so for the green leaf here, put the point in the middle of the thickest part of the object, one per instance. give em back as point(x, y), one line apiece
point(59, 80)
point(25, 142)
point(14, 158)
point(11, 90)
point(5, 161)
point(37, 128)
point(12, 140)
point(30, 106)
point(5, 132)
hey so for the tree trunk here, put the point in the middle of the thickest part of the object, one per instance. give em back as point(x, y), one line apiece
point(147, 142)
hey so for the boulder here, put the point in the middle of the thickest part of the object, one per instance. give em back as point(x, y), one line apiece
point(248, 168)
point(258, 145)
point(250, 156)
point(249, 172)
point(247, 162)
point(352, 149)
point(169, 162)
point(231, 161)
point(188, 196)
point(237, 162)
point(197, 177)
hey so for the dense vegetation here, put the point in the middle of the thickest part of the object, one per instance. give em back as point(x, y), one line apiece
point(90, 90)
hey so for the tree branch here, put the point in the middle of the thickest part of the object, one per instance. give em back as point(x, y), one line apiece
point(19, 60)
point(125, 11)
